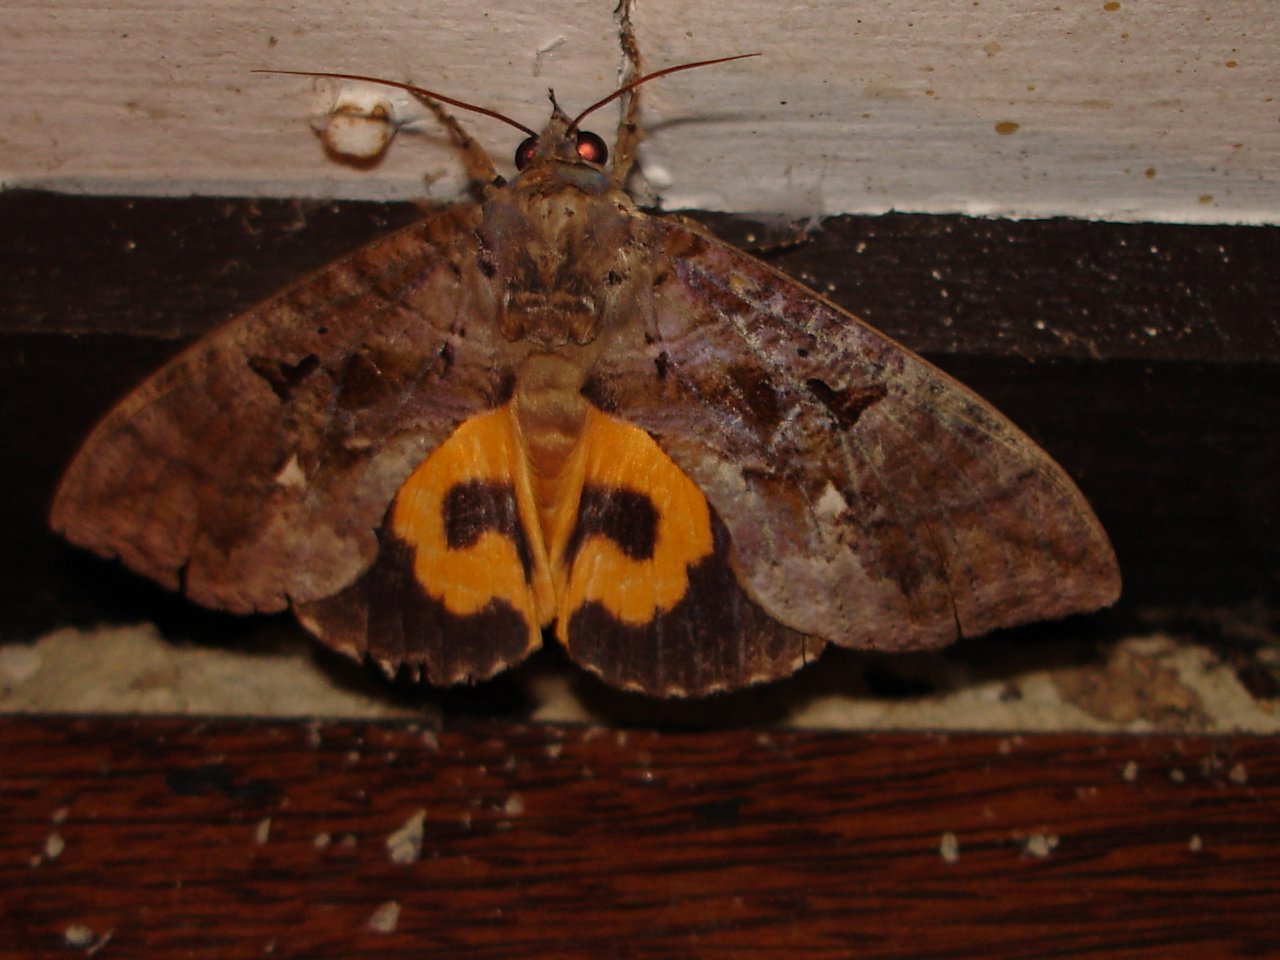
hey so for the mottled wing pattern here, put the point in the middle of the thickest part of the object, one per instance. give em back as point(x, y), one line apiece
point(869, 499)
point(255, 468)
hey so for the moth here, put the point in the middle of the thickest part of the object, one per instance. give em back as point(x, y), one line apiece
point(548, 411)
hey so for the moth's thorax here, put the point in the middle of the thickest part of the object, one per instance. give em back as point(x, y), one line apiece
point(562, 251)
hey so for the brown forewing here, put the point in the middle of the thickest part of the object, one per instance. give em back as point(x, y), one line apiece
point(871, 499)
point(256, 466)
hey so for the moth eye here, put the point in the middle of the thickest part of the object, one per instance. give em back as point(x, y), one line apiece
point(591, 147)
point(525, 152)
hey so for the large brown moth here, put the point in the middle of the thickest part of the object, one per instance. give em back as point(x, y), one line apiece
point(550, 410)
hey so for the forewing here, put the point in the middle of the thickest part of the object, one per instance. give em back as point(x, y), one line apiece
point(256, 466)
point(870, 499)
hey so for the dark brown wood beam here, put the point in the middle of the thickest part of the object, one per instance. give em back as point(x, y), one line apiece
point(1145, 357)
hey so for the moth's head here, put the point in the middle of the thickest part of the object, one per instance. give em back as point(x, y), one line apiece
point(564, 141)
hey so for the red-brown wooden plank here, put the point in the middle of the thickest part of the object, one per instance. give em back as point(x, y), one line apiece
point(543, 841)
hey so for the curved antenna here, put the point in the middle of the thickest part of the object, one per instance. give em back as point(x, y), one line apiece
point(573, 125)
point(416, 91)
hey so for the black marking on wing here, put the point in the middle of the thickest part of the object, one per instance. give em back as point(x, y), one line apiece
point(848, 404)
point(475, 506)
point(389, 616)
point(626, 517)
point(716, 637)
point(283, 377)
point(598, 393)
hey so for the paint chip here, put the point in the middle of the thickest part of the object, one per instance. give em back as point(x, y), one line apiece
point(385, 918)
point(262, 832)
point(359, 127)
point(54, 845)
point(81, 936)
point(405, 845)
point(1040, 845)
point(949, 847)
point(77, 935)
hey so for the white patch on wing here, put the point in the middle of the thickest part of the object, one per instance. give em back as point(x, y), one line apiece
point(291, 475)
point(831, 504)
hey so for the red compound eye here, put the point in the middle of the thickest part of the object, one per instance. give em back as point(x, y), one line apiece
point(525, 152)
point(591, 147)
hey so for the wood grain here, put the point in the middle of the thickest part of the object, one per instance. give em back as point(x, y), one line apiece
point(234, 839)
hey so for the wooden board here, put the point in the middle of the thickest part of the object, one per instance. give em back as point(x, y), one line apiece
point(1115, 110)
point(164, 838)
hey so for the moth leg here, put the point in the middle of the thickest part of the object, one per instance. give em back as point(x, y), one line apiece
point(629, 132)
point(480, 169)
